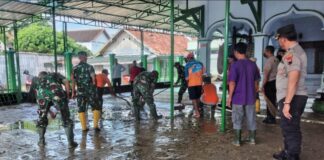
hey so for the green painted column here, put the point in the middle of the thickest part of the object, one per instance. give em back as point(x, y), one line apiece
point(68, 64)
point(224, 94)
point(144, 60)
point(171, 59)
point(12, 85)
point(181, 60)
point(19, 96)
point(111, 64)
point(157, 66)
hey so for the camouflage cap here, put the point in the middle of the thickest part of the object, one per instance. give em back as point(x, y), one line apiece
point(82, 53)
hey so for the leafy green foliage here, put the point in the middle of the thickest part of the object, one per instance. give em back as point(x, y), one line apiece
point(38, 37)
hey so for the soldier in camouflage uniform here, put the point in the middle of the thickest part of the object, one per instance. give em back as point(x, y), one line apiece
point(143, 87)
point(49, 91)
point(83, 76)
point(181, 77)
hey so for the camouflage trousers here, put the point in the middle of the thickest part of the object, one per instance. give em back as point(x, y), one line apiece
point(60, 104)
point(88, 98)
point(182, 90)
point(143, 92)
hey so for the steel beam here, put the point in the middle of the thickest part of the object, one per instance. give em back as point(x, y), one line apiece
point(16, 12)
point(257, 12)
point(114, 15)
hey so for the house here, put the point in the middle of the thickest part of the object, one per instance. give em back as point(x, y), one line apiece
point(93, 39)
point(128, 42)
point(126, 45)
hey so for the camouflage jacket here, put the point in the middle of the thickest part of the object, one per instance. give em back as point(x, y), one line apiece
point(145, 81)
point(50, 87)
point(82, 76)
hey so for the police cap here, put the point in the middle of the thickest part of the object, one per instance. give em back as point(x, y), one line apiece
point(285, 31)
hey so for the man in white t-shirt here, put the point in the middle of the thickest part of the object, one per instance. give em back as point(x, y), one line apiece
point(116, 74)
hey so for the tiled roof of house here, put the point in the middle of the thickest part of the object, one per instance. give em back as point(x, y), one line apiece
point(160, 43)
point(86, 35)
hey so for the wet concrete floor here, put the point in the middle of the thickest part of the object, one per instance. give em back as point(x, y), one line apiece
point(122, 138)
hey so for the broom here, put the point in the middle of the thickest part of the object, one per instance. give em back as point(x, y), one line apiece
point(272, 109)
point(122, 98)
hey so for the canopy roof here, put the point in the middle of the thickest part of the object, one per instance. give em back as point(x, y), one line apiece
point(152, 14)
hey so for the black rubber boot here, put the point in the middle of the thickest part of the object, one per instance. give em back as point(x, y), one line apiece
point(212, 112)
point(282, 155)
point(41, 132)
point(137, 113)
point(154, 114)
point(251, 139)
point(70, 137)
point(180, 98)
point(293, 157)
point(237, 138)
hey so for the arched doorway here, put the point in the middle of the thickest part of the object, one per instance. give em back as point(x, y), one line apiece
point(214, 35)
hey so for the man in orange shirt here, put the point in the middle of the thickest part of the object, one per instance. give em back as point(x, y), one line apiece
point(193, 74)
point(209, 96)
point(101, 80)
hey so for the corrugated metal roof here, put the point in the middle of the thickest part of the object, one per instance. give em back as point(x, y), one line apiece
point(11, 11)
point(138, 13)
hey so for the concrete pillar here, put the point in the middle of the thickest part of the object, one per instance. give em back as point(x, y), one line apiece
point(258, 49)
point(203, 53)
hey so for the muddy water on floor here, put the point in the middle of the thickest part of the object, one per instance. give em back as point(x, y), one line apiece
point(120, 138)
point(123, 138)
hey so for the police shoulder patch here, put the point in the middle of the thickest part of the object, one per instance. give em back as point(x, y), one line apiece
point(288, 57)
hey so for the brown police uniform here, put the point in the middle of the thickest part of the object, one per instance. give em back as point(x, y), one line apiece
point(271, 66)
point(294, 60)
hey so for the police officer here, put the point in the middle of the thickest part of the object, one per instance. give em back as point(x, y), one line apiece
point(49, 91)
point(181, 79)
point(269, 81)
point(291, 91)
point(83, 76)
point(143, 87)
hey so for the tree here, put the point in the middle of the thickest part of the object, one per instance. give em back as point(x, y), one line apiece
point(38, 37)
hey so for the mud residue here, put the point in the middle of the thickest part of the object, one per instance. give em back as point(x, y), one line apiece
point(122, 138)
